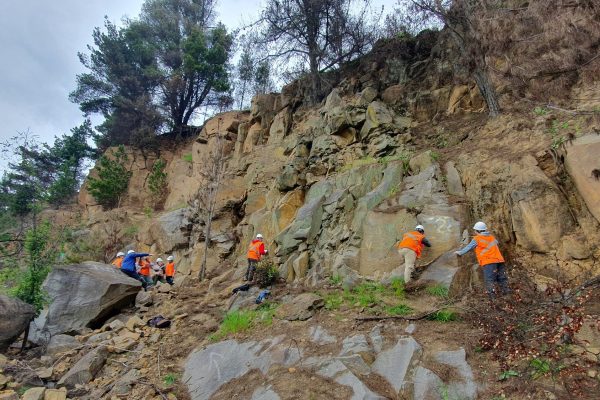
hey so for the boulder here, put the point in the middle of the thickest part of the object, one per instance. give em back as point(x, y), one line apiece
point(421, 162)
point(134, 322)
point(8, 395)
point(144, 299)
point(394, 364)
point(82, 295)
point(354, 345)
point(320, 336)
point(301, 307)
point(305, 227)
point(55, 394)
point(171, 230)
point(393, 94)
point(426, 385)
point(15, 315)
point(380, 119)
point(581, 162)
point(453, 181)
point(123, 386)
point(447, 272)
point(60, 344)
point(465, 387)
point(36, 393)
point(85, 369)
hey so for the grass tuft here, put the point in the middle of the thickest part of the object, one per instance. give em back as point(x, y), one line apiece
point(438, 291)
point(400, 309)
point(443, 316)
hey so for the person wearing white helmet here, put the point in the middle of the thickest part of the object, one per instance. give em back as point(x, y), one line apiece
point(118, 259)
point(170, 270)
point(158, 271)
point(255, 252)
point(489, 258)
point(410, 248)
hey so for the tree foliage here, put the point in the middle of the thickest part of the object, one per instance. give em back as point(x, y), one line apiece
point(113, 178)
point(319, 34)
point(245, 72)
point(154, 72)
point(157, 181)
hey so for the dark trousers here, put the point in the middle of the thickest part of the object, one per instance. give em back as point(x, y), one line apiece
point(170, 280)
point(136, 276)
point(250, 270)
point(495, 274)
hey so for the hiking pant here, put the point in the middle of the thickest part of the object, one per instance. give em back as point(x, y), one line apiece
point(409, 257)
point(251, 268)
point(492, 274)
point(170, 280)
point(137, 277)
point(147, 279)
point(157, 278)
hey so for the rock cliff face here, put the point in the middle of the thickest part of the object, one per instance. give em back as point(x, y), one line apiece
point(396, 143)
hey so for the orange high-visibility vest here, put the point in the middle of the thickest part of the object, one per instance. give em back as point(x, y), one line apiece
point(170, 269)
point(414, 241)
point(254, 251)
point(118, 261)
point(144, 268)
point(487, 250)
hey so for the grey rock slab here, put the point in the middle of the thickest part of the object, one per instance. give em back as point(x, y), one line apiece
point(144, 299)
point(410, 329)
point(264, 393)
point(394, 364)
point(60, 344)
point(209, 369)
point(376, 338)
point(85, 369)
point(426, 385)
point(320, 336)
point(330, 368)
point(361, 391)
point(355, 344)
point(453, 181)
point(80, 295)
point(467, 389)
point(34, 394)
point(356, 364)
point(15, 315)
point(124, 385)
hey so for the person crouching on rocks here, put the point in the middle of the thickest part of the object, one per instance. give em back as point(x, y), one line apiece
point(255, 252)
point(128, 267)
point(144, 270)
point(158, 271)
point(410, 248)
point(489, 258)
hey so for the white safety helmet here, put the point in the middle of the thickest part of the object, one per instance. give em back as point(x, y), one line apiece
point(159, 259)
point(131, 251)
point(170, 258)
point(480, 226)
point(419, 228)
point(259, 236)
point(120, 254)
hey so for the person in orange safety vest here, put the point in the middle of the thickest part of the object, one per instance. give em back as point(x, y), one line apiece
point(255, 252)
point(118, 260)
point(410, 248)
point(170, 270)
point(489, 258)
point(144, 269)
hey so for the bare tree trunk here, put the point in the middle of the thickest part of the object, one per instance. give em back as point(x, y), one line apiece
point(487, 91)
point(206, 242)
point(25, 337)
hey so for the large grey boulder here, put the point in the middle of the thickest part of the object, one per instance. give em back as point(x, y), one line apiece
point(82, 295)
point(301, 308)
point(394, 364)
point(15, 315)
point(60, 344)
point(85, 369)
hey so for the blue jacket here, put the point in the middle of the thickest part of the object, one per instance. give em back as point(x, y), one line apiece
point(129, 261)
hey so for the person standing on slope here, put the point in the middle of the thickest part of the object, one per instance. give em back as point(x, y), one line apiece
point(410, 248)
point(170, 270)
point(128, 266)
point(118, 260)
point(489, 258)
point(255, 252)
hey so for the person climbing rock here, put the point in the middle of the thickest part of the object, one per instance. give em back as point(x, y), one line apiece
point(489, 258)
point(170, 270)
point(158, 269)
point(118, 260)
point(410, 248)
point(255, 252)
point(128, 266)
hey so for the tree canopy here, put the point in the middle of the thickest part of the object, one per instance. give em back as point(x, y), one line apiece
point(154, 72)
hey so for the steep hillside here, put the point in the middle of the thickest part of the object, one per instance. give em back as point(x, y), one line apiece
point(401, 140)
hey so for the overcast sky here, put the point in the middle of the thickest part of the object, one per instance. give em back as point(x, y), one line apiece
point(39, 41)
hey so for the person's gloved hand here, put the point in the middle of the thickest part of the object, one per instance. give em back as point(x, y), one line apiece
point(457, 253)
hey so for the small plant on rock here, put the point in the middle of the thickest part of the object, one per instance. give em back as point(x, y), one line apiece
point(400, 309)
point(438, 291)
point(333, 301)
point(170, 379)
point(335, 279)
point(443, 316)
point(266, 273)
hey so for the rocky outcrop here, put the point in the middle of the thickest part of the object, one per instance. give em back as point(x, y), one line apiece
point(15, 315)
point(583, 164)
point(85, 369)
point(82, 295)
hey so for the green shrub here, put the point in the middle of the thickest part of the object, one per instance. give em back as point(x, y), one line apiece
point(157, 180)
point(235, 322)
point(333, 301)
point(188, 157)
point(540, 367)
point(113, 179)
point(438, 290)
point(435, 156)
point(170, 379)
point(507, 374)
point(540, 111)
point(443, 316)
point(335, 279)
point(400, 309)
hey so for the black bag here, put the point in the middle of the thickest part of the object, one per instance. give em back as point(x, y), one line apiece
point(159, 322)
